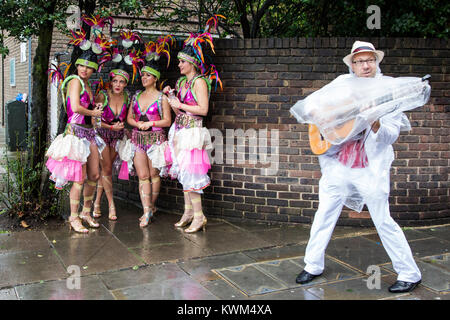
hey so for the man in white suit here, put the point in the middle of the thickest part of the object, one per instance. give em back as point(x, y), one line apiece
point(363, 164)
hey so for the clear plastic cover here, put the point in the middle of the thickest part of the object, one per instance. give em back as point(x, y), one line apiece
point(348, 105)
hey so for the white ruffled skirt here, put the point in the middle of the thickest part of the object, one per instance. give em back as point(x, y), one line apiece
point(190, 159)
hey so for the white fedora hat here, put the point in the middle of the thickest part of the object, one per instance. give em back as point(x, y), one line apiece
point(361, 46)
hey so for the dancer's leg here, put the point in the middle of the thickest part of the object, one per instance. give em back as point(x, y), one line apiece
point(188, 214)
point(74, 197)
point(93, 173)
point(142, 168)
point(199, 221)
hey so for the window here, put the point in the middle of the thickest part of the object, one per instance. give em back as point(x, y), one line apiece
point(23, 51)
point(12, 72)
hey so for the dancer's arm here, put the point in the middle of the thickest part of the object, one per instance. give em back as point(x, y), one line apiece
point(201, 92)
point(74, 91)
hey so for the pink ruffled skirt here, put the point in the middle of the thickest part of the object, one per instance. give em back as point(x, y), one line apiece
point(66, 156)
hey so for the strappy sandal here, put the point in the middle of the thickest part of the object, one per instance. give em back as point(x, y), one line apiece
point(112, 217)
point(85, 215)
point(97, 212)
point(76, 224)
point(186, 218)
point(146, 218)
point(194, 228)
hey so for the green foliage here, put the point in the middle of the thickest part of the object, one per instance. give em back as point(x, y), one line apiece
point(22, 181)
point(178, 16)
point(320, 18)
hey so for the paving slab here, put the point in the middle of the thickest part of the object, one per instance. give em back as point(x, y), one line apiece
point(359, 252)
point(23, 267)
point(441, 232)
point(442, 261)
point(173, 289)
point(88, 288)
point(429, 246)
point(221, 238)
point(23, 241)
point(278, 275)
point(284, 235)
point(96, 254)
point(202, 269)
point(224, 290)
point(232, 260)
point(143, 275)
point(274, 253)
point(353, 289)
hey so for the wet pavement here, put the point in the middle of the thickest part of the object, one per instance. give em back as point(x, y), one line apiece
point(232, 260)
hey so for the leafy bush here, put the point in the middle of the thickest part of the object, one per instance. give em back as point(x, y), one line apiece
point(22, 181)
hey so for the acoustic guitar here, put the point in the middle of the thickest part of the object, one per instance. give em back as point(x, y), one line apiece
point(319, 145)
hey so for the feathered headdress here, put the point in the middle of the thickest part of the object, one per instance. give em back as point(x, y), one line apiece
point(100, 44)
point(193, 52)
point(97, 23)
point(78, 39)
point(134, 59)
point(128, 37)
point(154, 50)
point(56, 75)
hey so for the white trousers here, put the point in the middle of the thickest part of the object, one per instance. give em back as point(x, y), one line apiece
point(391, 235)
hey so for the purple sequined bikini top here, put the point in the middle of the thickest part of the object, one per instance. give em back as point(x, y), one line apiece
point(152, 113)
point(108, 114)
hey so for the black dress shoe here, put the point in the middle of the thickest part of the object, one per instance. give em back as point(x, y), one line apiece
point(403, 286)
point(305, 277)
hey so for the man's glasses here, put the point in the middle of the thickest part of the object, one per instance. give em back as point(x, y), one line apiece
point(361, 62)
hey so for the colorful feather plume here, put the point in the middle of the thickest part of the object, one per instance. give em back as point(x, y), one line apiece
point(213, 74)
point(135, 59)
point(196, 40)
point(56, 75)
point(154, 50)
point(98, 23)
point(78, 39)
point(101, 85)
point(128, 37)
point(213, 21)
point(102, 43)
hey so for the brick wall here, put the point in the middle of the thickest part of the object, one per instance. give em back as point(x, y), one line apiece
point(263, 78)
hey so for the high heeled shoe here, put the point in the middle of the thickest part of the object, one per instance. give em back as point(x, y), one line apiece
point(193, 229)
point(86, 216)
point(76, 224)
point(186, 218)
point(113, 216)
point(96, 213)
point(146, 217)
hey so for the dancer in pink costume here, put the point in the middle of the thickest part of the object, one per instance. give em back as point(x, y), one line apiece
point(189, 141)
point(115, 102)
point(76, 152)
point(149, 114)
point(74, 155)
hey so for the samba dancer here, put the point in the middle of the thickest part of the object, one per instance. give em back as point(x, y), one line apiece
point(149, 114)
point(189, 140)
point(115, 101)
point(358, 170)
point(75, 153)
